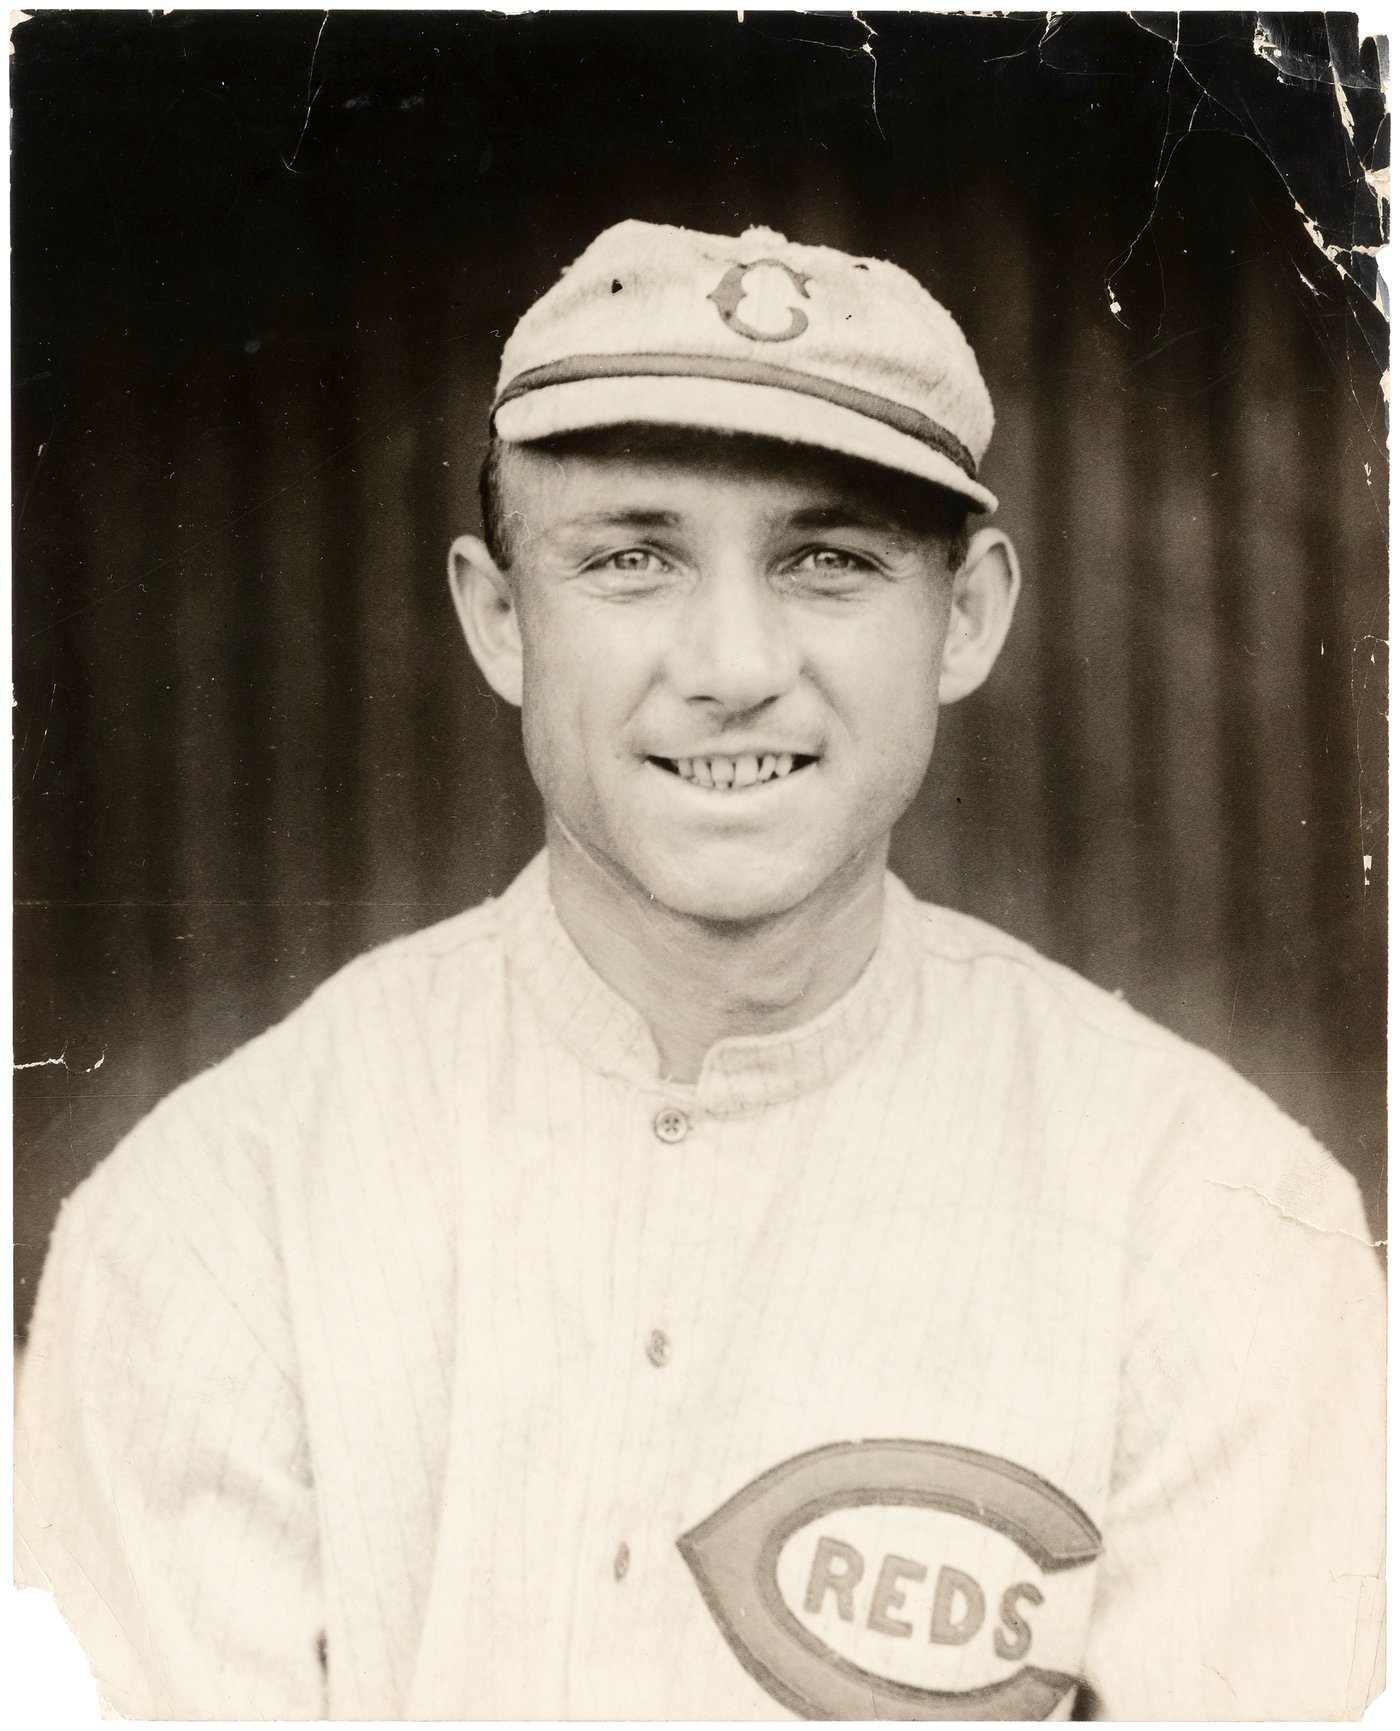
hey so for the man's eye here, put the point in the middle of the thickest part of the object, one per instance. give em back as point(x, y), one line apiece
point(632, 561)
point(831, 566)
point(833, 559)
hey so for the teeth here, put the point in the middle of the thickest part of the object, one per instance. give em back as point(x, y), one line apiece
point(749, 770)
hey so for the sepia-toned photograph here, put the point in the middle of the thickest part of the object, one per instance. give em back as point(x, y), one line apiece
point(700, 862)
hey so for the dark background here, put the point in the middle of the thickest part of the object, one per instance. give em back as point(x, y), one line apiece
point(263, 265)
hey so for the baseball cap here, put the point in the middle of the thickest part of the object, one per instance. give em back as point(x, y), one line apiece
point(754, 334)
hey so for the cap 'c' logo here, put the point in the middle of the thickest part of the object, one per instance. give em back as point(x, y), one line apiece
point(896, 1580)
point(731, 292)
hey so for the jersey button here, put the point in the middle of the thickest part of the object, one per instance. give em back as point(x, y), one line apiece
point(671, 1124)
point(658, 1348)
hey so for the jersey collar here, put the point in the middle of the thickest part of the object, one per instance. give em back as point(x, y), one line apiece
point(741, 1074)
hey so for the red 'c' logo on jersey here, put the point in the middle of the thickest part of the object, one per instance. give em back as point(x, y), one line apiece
point(894, 1580)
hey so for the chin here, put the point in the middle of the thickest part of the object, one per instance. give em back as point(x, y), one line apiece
point(731, 892)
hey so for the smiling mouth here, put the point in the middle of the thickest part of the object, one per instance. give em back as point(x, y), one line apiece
point(730, 774)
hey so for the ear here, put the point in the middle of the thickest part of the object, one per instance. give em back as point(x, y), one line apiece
point(984, 598)
point(486, 608)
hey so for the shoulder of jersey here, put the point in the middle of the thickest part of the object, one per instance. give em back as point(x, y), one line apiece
point(1244, 1137)
point(251, 1097)
point(449, 940)
point(962, 941)
point(389, 984)
point(1016, 976)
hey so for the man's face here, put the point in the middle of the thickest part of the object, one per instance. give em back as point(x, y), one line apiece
point(731, 654)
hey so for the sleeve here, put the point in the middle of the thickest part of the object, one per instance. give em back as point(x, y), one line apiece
point(1241, 1576)
point(162, 1490)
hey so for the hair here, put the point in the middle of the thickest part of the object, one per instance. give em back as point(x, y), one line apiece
point(494, 529)
point(928, 508)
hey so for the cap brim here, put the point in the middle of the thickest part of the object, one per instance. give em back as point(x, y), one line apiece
point(731, 406)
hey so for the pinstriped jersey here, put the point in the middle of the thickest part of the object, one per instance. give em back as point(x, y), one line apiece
point(975, 1350)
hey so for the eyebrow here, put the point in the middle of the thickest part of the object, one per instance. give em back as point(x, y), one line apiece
point(637, 517)
point(829, 517)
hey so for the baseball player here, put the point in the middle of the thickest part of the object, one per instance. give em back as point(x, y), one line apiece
point(707, 1283)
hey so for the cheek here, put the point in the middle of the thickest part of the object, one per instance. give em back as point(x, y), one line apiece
point(584, 677)
point(549, 695)
point(891, 678)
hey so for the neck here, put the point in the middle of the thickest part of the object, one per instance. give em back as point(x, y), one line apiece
point(696, 981)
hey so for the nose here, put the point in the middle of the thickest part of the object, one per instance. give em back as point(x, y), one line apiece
point(734, 648)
